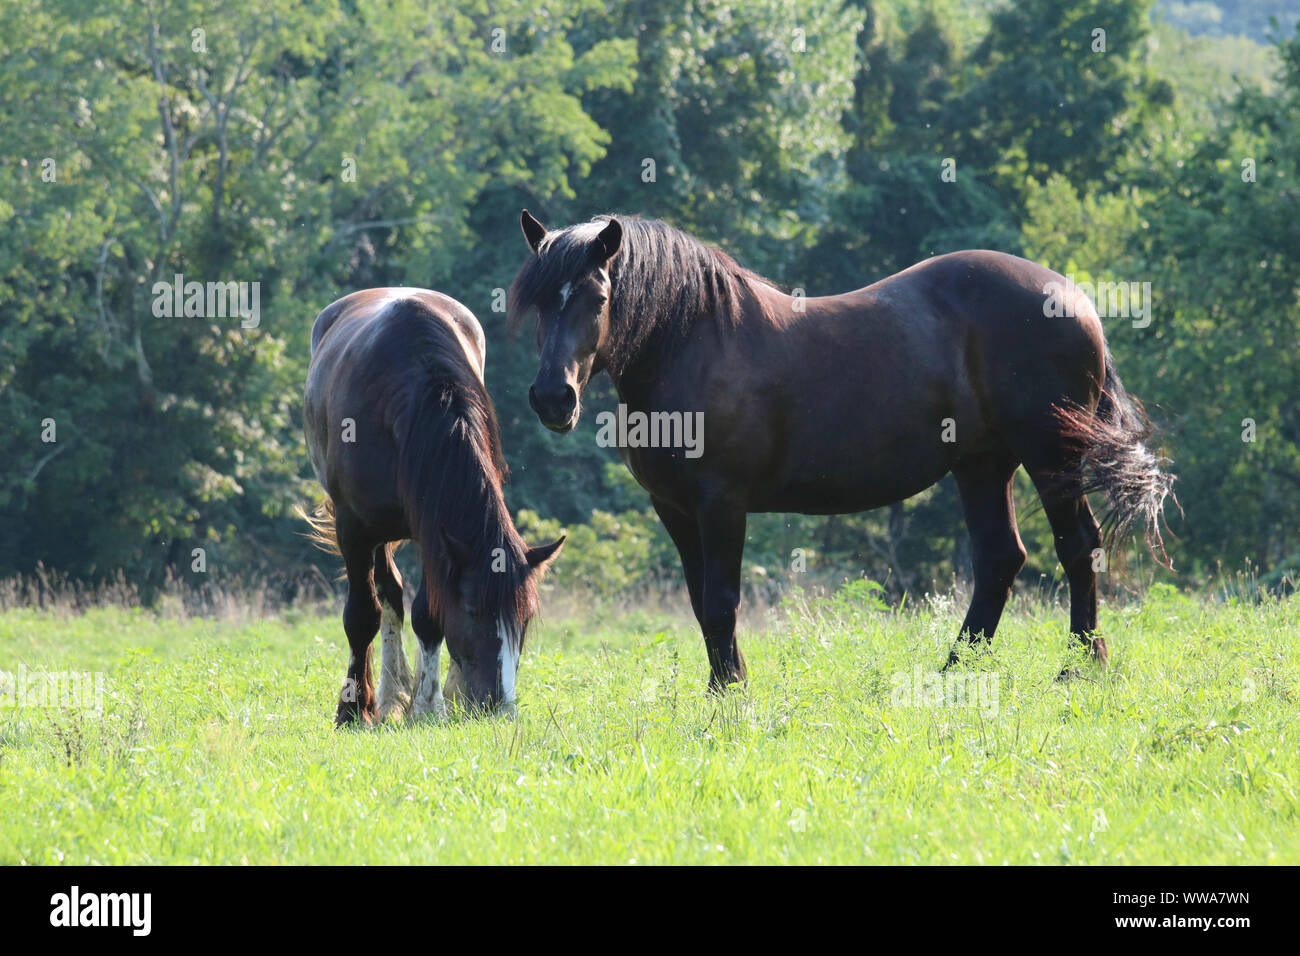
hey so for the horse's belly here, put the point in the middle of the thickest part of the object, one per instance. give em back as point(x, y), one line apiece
point(848, 490)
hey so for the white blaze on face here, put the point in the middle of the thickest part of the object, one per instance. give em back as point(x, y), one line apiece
point(565, 291)
point(508, 661)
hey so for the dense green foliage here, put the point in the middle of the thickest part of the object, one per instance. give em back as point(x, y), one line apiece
point(215, 745)
point(320, 147)
point(1247, 18)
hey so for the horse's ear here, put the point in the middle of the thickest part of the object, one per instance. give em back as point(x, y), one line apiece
point(609, 239)
point(534, 231)
point(539, 558)
point(455, 549)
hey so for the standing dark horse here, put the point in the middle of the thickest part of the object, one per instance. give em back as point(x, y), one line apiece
point(963, 363)
point(404, 440)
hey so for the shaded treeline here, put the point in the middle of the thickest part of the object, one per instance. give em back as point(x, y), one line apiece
point(316, 148)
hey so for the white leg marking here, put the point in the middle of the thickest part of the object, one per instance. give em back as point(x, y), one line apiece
point(428, 692)
point(394, 674)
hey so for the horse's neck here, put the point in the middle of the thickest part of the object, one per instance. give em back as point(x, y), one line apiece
point(643, 373)
point(486, 505)
point(500, 527)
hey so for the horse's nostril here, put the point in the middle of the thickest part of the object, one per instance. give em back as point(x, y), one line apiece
point(553, 403)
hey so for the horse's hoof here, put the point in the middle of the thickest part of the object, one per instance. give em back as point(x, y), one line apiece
point(351, 715)
point(434, 712)
point(1097, 652)
point(1100, 653)
point(719, 687)
point(395, 708)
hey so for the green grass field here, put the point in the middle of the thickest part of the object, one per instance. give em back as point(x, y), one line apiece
point(215, 744)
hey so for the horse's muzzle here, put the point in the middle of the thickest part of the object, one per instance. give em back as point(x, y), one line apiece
point(556, 407)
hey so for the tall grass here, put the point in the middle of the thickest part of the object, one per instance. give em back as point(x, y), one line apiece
point(214, 743)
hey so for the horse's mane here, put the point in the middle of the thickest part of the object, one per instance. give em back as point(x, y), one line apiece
point(662, 281)
point(450, 473)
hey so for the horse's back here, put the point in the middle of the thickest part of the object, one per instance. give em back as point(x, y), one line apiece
point(1018, 315)
point(961, 341)
point(996, 289)
point(374, 354)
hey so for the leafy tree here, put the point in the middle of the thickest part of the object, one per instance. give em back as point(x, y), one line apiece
point(308, 148)
point(1222, 244)
point(319, 147)
point(1048, 93)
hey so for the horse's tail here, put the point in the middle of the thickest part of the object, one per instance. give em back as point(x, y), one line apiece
point(1117, 460)
point(321, 521)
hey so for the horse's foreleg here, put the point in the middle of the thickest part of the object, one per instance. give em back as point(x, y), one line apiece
point(395, 681)
point(997, 552)
point(722, 546)
point(428, 690)
point(685, 532)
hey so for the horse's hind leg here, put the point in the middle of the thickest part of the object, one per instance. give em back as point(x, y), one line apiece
point(361, 616)
point(395, 681)
point(1078, 540)
point(997, 553)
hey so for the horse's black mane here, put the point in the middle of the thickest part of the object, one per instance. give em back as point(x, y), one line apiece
point(450, 475)
point(662, 281)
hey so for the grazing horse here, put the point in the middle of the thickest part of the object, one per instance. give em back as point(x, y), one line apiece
point(972, 363)
point(404, 440)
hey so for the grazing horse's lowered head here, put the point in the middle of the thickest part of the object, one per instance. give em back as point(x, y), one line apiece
point(485, 594)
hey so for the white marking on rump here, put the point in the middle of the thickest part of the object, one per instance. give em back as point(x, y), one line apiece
point(468, 330)
point(399, 292)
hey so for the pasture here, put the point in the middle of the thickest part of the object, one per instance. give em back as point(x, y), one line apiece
point(215, 743)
